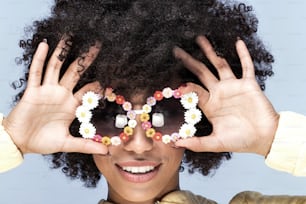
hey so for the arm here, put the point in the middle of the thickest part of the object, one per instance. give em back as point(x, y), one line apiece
point(10, 156)
point(288, 150)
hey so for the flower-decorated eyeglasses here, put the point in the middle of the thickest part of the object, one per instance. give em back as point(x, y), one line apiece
point(154, 123)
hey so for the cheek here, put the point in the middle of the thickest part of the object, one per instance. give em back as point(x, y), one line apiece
point(102, 163)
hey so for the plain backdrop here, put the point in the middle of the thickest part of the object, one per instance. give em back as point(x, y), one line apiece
point(282, 26)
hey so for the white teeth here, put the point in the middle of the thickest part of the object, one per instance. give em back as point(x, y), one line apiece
point(138, 169)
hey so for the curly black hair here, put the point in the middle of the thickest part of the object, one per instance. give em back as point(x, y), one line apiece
point(137, 39)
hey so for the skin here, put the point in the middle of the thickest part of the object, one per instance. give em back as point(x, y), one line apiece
point(140, 151)
point(48, 105)
point(234, 106)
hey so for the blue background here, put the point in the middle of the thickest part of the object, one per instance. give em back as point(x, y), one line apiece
point(282, 25)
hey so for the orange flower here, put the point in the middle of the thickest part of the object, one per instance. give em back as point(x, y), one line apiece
point(120, 99)
point(157, 136)
point(158, 95)
point(124, 137)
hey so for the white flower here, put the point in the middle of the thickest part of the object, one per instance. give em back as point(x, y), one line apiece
point(151, 101)
point(158, 120)
point(189, 100)
point(127, 106)
point(166, 139)
point(187, 130)
point(83, 114)
point(90, 100)
point(132, 123)
point(131, 114)
point(116, 140)
point(121, 121)
point(175, 136)
point(87, 130)
point(167, 92)
point(146, 108)
point(193, 116)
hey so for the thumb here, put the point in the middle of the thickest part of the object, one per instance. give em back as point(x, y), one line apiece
point(201, 144)
point(81, 145)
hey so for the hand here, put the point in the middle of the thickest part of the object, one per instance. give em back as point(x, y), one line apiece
point(40, 121)
point(242, 117)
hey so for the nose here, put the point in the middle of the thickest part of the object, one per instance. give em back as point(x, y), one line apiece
point(139, 142)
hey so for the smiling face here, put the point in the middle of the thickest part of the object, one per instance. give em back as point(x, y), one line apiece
point(140, 170)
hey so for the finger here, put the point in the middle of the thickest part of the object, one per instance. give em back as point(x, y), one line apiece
point(245, 59)
point(35, 73)
point(200, 91)
point(196, 67)
point(219, 63)
point(200, 144)
point(56, 61)
point(79, 66)
point(75, 144)
point(94, 86)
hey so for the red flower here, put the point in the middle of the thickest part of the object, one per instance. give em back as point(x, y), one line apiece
point(158, 95)
point(120, 99)
point(157, 136)
point(124, 137)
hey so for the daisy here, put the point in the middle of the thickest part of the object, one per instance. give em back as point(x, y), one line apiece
point(175, 136)
point(151, 101)
point(132, 123)
point(146, 108)
point(150, 132)
point(106, 141)
point(157, 136)
point(83, 114)
point(115, 140)
point(131, 114)
point(158, 95)
point(167, 92)
point(146, 125)
point(87, 130)
point(193, 116)
point(97, 138)
point(166, 139)
point(189, 100)
point(177, 93)
point(120, 99)
point(187, 130)
point(124, 137)
point(144, 117)
point(111, 97)
point(90, 100)
point(127, 106)
point(128, 130)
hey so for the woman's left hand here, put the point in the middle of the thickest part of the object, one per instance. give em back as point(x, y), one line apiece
point(243, 119)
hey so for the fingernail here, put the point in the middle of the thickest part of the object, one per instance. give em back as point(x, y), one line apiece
point(45, 40)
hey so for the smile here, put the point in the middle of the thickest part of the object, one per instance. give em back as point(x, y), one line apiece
point(138, 173)
point(138, 169)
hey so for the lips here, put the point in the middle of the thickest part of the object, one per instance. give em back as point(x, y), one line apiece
point(138, 172)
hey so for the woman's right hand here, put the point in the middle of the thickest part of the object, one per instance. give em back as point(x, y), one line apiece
point(40, 121)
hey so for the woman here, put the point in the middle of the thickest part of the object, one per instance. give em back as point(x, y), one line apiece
point(135, 40)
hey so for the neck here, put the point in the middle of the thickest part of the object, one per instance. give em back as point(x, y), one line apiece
point(116, 198)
